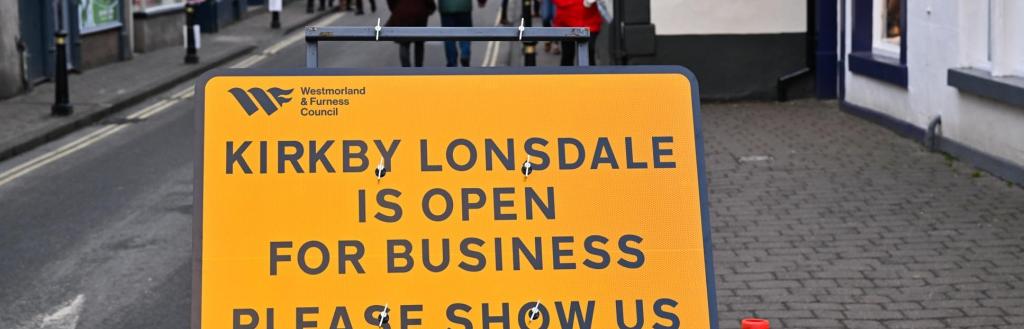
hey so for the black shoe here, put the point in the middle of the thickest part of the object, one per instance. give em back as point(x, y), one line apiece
point(359, 13)
point(465, 62)
point(504, 21)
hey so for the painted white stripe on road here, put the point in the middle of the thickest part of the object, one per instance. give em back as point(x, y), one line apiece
point(492, 46)
point(148, 111)
point(66, 317)
point(57, 154)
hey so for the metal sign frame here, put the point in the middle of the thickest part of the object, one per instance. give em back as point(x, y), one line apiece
point(315, 34)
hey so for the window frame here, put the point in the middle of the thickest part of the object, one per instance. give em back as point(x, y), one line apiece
point(864, 58)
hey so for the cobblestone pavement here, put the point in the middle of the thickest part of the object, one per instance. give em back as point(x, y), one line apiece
point(823, 220)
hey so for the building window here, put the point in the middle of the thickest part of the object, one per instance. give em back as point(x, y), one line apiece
point(995, 51)
point(889, 28)
point(879, 40)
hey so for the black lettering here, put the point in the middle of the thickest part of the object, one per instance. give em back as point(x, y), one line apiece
point(455, 318)
point(500, 203)
point(507, 157)
point(575, 316)
point(535, 259)
point(341, 318)
point(660, 311)
point(445, 256)
point(324, 257)
point(450, 154)
point(629, 156)
point(235, 156)
point(481, 261)
point(562, 164)
point(502, 318)
point(253, 317)
point(424, 163)
point(637, 254)
point(387, 153)
point(447, 204)
point(659, 152)
point(590, 245)
point(544, 160)
point(481, 200)
point(404, 254)
point(621, 316)
point(300, 317)
point(283, 155)
point(345, 257)
point(547, 208)
point(320, 155)
point(603, 154)
point(406, 313)
point(275, 257)
point(348, 156)
point(396, 209)
point(557, 253)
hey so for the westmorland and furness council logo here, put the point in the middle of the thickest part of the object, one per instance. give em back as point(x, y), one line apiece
point(269, 103)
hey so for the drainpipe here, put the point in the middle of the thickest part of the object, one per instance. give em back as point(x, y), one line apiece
point(23, 56)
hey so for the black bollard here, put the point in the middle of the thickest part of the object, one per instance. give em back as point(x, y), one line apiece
point(190, 36)
point(61, 102)
point(309, 6)
point(529, 47)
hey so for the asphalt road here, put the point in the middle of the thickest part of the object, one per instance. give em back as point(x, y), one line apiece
point(98, 233)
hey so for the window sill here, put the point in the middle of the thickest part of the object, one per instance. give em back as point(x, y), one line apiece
point(883, 68)
point(1009, 90)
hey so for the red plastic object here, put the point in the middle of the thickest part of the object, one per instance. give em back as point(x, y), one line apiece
point(754, 323)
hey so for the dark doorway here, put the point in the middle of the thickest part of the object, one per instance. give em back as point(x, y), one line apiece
point(37, 33)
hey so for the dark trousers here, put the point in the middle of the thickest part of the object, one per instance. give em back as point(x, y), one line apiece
point(454, 55)
point(403, 52)
point(359, 5)
point(569, 51)
point(504, 10)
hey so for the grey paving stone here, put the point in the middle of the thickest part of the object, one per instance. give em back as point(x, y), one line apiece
point(856, 225)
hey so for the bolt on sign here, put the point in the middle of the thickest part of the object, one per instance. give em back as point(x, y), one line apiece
point(497, 198)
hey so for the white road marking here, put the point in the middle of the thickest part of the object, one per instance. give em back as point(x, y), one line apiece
point(66, 317)
point(146, 112)
point(57, 154)
point(492, 46)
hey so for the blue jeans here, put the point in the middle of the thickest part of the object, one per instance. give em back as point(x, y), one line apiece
point(450, 53)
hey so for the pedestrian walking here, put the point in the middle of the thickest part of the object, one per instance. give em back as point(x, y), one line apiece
point(577, 13)
point(410, 13)
point(457, 13)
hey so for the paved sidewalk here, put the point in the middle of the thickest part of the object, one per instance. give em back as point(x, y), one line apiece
point(823, 220)
point(25, 120)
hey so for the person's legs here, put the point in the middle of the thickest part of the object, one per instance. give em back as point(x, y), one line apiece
point(451, 55)
point(419, 53)
point(359, 6)
point(464, 20)
point(504, 12)
point(593, 46)
point(568, 53)
point(403, 53)
point(373, 5)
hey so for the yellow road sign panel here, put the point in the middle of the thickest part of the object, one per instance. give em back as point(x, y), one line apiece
point(539, 198)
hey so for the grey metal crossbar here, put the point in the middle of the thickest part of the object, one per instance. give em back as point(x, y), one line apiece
point(315, 34)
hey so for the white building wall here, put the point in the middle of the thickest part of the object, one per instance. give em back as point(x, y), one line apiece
point(942, 34)
point(701, 17)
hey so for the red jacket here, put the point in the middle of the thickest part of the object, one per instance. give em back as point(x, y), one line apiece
point(572, 13)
